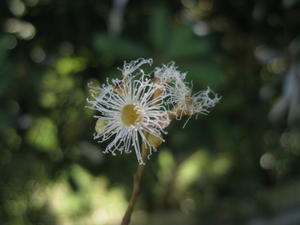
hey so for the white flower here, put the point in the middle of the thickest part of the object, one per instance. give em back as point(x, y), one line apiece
point(179, 93)
point(185, 103)
point(129, 113)
point(183, 100)
point(135, 110)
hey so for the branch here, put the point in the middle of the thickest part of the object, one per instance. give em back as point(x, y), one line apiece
point(137, 177)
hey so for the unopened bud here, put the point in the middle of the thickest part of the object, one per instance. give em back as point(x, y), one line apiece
point(154, 140)
point(100, 124)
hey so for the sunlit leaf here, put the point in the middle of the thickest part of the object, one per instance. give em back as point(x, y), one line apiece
point(191, 169)
point(70, 65)
point(43, 135)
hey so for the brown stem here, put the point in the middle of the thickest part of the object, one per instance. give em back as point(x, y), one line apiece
point(137, 177)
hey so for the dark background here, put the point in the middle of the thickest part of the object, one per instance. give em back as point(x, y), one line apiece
point(238, 165)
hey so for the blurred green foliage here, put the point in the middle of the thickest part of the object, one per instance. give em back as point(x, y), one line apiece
point(237, 165)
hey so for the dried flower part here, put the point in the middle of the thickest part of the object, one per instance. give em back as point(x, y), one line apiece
point(204, 100)
point(180, 99)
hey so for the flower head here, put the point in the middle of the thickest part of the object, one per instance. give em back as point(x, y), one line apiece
point(136, 109)
point(129, 115)
point(186, 103)
point(180, 98)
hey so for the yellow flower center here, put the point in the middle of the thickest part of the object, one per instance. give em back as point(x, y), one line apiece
point(130, 114)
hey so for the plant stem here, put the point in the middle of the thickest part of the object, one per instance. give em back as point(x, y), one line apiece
point(137, 177)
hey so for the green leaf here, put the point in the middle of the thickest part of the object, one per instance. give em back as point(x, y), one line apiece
point(6, 68)
point(4, 41)
point(207, 73)
point(6, 120)
point(185, 44)
point(159, 28)
point(119, 48)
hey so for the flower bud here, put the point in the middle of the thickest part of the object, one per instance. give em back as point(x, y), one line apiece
point(100, 124)
point(154, 140)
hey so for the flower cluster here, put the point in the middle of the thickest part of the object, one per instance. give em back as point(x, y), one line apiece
point(135, 110)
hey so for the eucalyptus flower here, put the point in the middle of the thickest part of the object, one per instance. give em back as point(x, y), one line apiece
point(180, 98)
point(136, 109)
point(129, 114)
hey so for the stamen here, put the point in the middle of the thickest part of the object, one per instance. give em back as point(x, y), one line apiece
point(130, 114)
